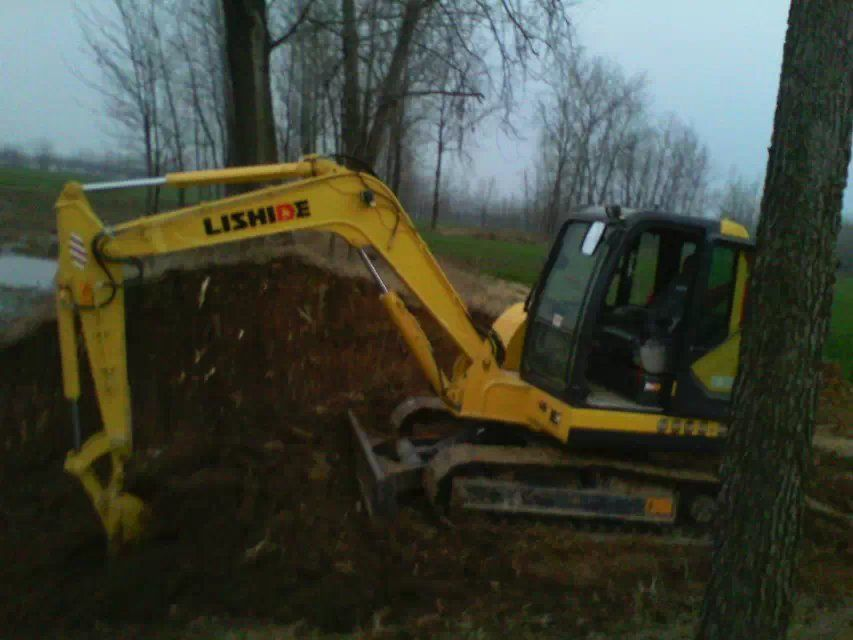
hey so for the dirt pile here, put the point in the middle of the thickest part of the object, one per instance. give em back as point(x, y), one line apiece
point(239, 395)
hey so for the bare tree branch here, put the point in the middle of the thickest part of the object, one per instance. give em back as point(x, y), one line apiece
point(300, 20)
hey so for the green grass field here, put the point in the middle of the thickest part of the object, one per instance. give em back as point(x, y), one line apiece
point(839, 344)
point(27, 198)
point(38, 190)
point(516, 261)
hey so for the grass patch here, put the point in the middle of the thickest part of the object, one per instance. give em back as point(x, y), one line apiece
point(515, 261)
point(23, 179)
point(839, 343)
point(28, 196)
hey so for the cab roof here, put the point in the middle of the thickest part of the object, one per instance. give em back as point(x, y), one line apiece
point(725, 228)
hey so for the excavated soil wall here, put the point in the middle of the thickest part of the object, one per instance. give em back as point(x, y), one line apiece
point(241, 377)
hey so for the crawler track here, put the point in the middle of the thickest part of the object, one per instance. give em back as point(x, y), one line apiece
point(469, 466)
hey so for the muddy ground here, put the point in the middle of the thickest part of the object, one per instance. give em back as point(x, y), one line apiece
point(239, 410)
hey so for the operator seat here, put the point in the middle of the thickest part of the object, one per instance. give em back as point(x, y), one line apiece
point(656, 349)
point(637, 354)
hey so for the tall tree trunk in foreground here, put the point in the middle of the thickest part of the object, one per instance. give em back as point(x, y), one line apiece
point(251, 126)
point(749, 596)
point(351, 118)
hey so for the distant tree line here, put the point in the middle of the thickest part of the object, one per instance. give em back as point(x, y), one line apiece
point(42, 156)
point(396, 84)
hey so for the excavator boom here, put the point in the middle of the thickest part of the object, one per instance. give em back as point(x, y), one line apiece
point(321, 196)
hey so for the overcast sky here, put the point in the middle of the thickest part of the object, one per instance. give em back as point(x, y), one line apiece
point(714, 64)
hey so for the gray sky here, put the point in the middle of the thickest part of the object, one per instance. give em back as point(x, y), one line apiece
point(714, 64)
point(40, 97)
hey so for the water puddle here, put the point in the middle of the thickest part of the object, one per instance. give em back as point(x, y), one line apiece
point(26, 285)
point(26, 272)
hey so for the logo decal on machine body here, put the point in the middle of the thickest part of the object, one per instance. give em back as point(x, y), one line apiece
point(250, 218)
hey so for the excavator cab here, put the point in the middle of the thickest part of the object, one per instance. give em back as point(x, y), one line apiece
point(639, 312)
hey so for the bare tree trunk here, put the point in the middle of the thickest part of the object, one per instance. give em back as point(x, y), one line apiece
point(307, 106)
point(351, 125)
point(306, 132)
point(217, 56)
point(412, 14)
point(351, 128)
point(251, 125)
point(556, 196)
point(199, 120)
point(749, 596)
point(436, 191)
point(398, 137)
point(177, 137)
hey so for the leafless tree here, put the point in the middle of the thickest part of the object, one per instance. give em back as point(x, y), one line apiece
point(198, 46)
point(124, 44)
point(12, 156)
point(599, 145)
point(44, 154)
point(249, 44)
point(408, 38)
point(740, 200)
point(589, 120)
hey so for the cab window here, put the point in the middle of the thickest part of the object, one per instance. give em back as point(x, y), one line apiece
point(648, 267)
point(717, 303)
point(558, 305)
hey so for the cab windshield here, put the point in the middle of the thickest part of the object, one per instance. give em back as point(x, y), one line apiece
point(559, 303)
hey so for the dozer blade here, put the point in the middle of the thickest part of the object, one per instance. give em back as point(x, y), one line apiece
point(384, 469)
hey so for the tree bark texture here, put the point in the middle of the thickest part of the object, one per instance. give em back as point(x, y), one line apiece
point(436, 189)
point(413, 12)
point(750, 593)
point(251, 123)
point(351, 126)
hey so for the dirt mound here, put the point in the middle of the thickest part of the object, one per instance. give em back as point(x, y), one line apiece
point(239, 398)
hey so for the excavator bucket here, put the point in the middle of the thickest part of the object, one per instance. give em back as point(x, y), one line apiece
point(123, 515)
point(131, 516)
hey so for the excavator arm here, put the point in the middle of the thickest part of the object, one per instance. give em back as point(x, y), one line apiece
point(321, 195)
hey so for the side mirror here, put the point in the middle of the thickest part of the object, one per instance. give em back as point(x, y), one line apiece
point(592, 238)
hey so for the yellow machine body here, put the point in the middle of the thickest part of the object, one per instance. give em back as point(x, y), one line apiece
point(320, 195)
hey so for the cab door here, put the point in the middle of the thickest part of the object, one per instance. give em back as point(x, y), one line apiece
point(558, 303)
point(709, 361)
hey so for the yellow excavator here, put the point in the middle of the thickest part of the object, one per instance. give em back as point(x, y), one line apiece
point(626, 347)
